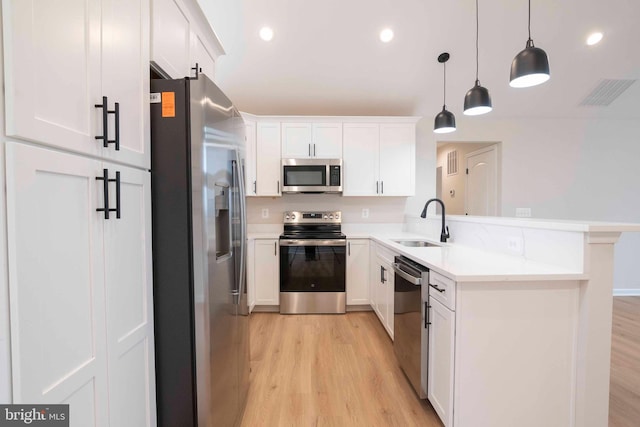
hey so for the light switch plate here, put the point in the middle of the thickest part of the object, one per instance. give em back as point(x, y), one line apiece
point(265, 213)
point(365, 213)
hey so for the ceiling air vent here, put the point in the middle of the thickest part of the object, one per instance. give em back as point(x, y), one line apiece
point(606, 92)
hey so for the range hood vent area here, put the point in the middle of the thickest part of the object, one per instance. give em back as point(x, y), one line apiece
point(607, 91)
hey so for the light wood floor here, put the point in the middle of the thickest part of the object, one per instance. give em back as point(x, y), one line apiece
point(325, 370)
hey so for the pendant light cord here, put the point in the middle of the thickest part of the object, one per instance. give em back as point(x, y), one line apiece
point(477, 35)
point(444, 89)
point(529, 42)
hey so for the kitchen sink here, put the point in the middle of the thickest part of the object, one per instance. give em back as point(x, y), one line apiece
point(416, 243)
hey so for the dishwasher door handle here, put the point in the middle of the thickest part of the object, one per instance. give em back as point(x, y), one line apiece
point(406, 276)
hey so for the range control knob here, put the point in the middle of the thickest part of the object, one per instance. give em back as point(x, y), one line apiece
point(286, 217)
point(293, 216)
point(337, 216)
point(330, 216)
point(326, 217)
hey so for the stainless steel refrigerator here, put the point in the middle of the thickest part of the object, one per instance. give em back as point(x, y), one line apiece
point(199, 254)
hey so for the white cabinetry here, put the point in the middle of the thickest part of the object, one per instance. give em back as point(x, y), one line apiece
point(181, 38)
point(266, 272)
point(80, 286)
point(312, 140)
point(379, 159)
point(250, 158)
point(441, 354)
point(357, 272)
point(268, 161)
point(382, 286)
point(62, 59)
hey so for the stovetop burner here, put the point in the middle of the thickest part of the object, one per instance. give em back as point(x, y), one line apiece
point(312, 225)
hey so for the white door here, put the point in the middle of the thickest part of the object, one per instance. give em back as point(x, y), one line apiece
point(360, 150)
point(52, 72)
point(358, 271)
point(397, 159)
point(129, 302)
point(267, 272)
point(125, 76)
point(269, 163)
point(441, 363)
point(297, 141)
point(327, 140)
point(56, 281)
point(481, 195)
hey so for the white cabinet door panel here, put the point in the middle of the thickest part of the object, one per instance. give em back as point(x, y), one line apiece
point(200, 55)
point(360, 159)
point(297, 142)
point(327, 140)
point(269, 160)
point(441, 363)
point(125, 76)
point(56, 279)
point(250, 160)
point(171, 38)
point(397, 159)
point(129, 302)
point(52, 72)
point(358, 272)
point(267, 272)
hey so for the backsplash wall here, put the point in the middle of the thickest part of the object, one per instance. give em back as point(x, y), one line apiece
point(381, 209)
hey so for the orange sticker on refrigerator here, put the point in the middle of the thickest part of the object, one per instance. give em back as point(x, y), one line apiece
point(168, 104)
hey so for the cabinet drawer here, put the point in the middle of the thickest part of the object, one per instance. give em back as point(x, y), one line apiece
point(386, 254)
point(442, 289)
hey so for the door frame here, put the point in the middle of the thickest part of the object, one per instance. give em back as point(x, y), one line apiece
point(497, 188)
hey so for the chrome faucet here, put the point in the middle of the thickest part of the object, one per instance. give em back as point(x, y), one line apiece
point(444, 233)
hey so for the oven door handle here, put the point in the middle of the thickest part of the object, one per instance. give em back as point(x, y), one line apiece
point(406, 276)
point(332, 242)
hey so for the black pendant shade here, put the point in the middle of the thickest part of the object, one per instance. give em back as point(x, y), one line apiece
point(477, 101)
point(445, 121)
point(530, 67)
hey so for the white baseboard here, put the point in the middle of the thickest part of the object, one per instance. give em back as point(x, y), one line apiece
point(626, 292)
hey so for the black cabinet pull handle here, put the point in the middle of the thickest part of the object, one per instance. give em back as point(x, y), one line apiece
point(314, 150)
point(198, 70)
point(116, 111)
point(105, 122)
point(309, 150)
point(255, 187)
point(105, 186)
point(349, 248)
point(426, 315)
point(377, 188)
point(275, 248)
point(105, 192)
point(437, 288)
point(381, 187)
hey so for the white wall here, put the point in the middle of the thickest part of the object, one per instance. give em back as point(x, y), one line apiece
point(425, 167)
point(5, 354)
point(568, 169)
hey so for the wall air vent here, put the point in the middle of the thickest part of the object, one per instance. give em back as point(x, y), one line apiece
point(606, 92)
point(452, 162)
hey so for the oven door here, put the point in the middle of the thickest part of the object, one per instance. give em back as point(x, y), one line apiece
point(312, 265)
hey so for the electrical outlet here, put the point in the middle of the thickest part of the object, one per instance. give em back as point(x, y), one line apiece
point(515, 244)
point(365, 213)
point(523, 212)
point(265, 213)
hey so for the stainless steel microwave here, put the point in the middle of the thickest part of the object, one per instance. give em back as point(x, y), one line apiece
point(311, 175)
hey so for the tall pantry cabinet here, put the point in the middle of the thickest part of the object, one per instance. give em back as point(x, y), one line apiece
point(78, 211)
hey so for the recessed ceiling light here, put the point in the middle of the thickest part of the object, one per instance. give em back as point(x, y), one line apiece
point(266, 34)
point(594, 38)
point(386, 35)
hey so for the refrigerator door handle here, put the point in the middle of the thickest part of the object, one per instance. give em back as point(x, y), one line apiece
point(239, 179)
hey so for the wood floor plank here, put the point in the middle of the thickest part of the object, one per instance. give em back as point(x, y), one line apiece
point(340, 370)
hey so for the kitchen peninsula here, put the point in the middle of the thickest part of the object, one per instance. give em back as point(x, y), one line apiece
point(529, 316)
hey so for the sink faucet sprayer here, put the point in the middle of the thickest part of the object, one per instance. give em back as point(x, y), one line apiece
point(444, 233)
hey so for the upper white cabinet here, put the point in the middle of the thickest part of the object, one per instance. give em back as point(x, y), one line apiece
point(181, 37)
point(312, 140)
point(379, 159)
point(62, 58)
point(250, 158)
point(268, 161)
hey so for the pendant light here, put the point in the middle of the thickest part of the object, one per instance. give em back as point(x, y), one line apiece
point(445, 121)
point(531, 66)
point(477, 100)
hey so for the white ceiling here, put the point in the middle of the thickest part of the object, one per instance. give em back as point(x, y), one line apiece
point(326, 57)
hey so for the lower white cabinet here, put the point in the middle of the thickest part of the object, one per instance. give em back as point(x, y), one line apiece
point(441, 360)
point(80, 286)
point(382, 285)
point(266, 272)
point(357, 271)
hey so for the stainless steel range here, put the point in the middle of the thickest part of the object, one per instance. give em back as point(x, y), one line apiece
point(312, 263)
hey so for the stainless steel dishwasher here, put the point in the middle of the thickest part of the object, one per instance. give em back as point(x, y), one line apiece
point(411, 333)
